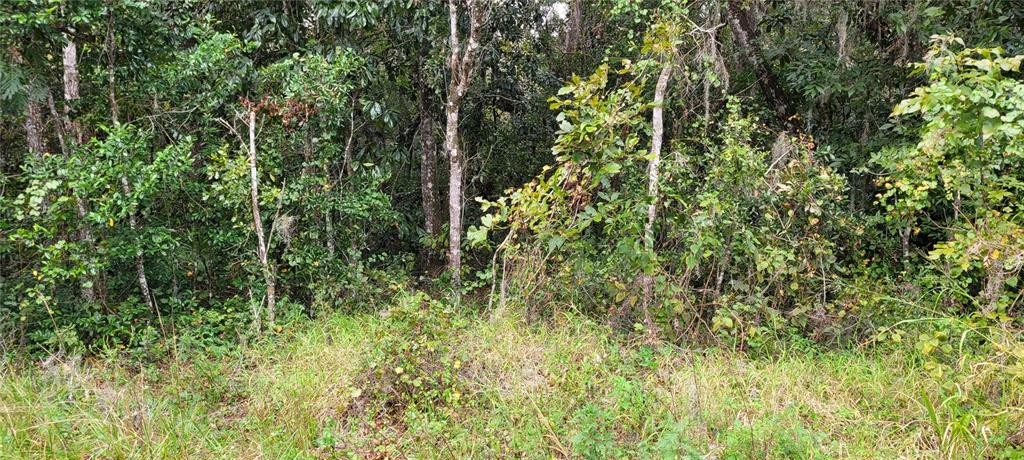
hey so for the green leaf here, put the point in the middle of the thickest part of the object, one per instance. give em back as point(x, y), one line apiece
point(476, 236)
point(555, 242)
point(611, 168)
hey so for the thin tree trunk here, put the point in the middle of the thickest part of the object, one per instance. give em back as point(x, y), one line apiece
point(72, 134)
point(111, 58)
point(428, 165)
point(307, 171)
point(905, 243)
point(257, 220)
point(329, 222)
point(71, 93)
point(347, 157)
point(58, 123)
point(713, 54)
point(329, 218)
point(657, 136)
point(994, 282)
point(462, 64)
point(33, 114)
point(133, 220)
point(428, 160)
point(451, 142)
point(744, 30)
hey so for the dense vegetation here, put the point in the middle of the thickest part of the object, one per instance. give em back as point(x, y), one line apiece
point(511, 228)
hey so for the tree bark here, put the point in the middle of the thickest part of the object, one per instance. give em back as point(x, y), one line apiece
point(111, 59)
point(428, 165)
point(58, 123)
point(71, 93)
point(744, 30)
point(657, 136)
point(133, 220)
point(994, 281)
point(329, 216)
point(462, 64)
point(72, 138)
point(257, 220)
point(451, 140)
point(33, 113)
point(34, 127)
point(573, 26)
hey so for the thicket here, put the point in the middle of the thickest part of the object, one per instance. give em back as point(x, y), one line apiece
point(750, 174)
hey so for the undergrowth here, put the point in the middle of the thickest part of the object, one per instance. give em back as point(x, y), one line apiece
point(424, 379)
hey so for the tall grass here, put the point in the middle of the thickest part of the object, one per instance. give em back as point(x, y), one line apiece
point(566, 388)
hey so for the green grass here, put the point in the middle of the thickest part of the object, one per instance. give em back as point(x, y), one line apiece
point(566, 388)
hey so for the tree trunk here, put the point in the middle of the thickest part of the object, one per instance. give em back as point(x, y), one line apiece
point(346, 162)
point(994, 282)
point(905, 243)
point(133, 220)
point(329, 217)
point(257, 221)
point(462, 64)
point(72, 138)
point(657, 135)
point(428, 165)
point(573, 26)
point(71, 93)
point(111, 58)
point(428, 160)
point(34, 127)
point(33, 114)
point(744, 30)
point(451, 145)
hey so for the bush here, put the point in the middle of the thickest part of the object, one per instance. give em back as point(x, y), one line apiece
point(412, 366)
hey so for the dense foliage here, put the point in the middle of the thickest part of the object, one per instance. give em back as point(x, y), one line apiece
point(194, 175)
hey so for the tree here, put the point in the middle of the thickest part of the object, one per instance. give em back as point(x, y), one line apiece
point(257, 220)
point(964, 173)
point(33, 123)
point(71, 137)
point(428, 161)
point(743, 24)
point(657, 138)
point(133, 219)
point(462, 65)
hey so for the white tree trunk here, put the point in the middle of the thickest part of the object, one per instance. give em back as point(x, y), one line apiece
point(257, 222)
point(451, 145)
point(657, 136)
point(462, 64)
point(73, 134)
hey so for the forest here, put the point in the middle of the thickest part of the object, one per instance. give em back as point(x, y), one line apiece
point(384, 229)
